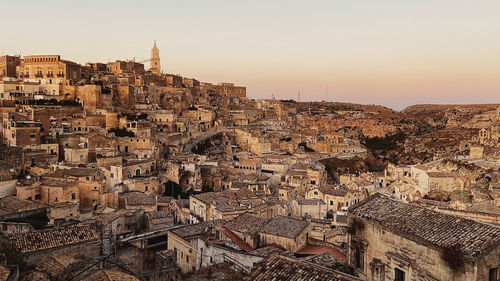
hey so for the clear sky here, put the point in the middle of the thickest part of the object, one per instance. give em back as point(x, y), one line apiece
point(393, 53)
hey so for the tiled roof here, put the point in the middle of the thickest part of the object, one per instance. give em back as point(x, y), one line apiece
point(111, 216)
point(75, 172)
point(284, 226)
point(12, 204)
point(139, 199)
point(165, 199)
point(52, 238)
point(35, 276)
point(335, 191)
point(268, 250)
point(279, 268)
point(110, 275)
point(55, 265)
point(429, 227)
point(246, 223)
point(319, 249)
point(197, 229)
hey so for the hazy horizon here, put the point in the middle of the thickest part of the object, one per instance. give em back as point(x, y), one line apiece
point(392, 53)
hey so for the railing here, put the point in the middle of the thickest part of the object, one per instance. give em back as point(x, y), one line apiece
point(236, 264)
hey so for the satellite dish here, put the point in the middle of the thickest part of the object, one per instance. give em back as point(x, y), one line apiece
point(11, 170)
point(28, 177)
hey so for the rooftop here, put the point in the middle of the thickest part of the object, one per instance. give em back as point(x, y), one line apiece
point(139, 198)
point(246, 223)
point(46, 239)
point(197, 229)
point(75, 172)
point(429, 227)
point(279, 268)
point(284, 226)
point(110, 275)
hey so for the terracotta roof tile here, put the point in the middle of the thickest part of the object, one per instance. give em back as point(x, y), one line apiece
point(284, 226)
point(279, 268)
point(429, 227)
point(52, 238)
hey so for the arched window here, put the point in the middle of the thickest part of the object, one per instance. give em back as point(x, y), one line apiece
point(138, 172)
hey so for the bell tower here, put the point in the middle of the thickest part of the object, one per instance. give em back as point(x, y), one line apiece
point(154, 63)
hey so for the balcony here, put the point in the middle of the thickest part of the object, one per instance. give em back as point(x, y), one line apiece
point(38, 75)
point(60, 75)
point(50, 75)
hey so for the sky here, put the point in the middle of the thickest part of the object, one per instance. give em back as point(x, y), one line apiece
point(390, 52)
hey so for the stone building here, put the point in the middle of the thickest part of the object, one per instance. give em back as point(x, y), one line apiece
point(289, 233)
point(51, 69)
point(184, 242)
point(154, 62)
point(335, 198)
point(390, 240)
point(8, 65)
point(18, 90)
point(29, 248)
point(309, 208)
point(246, 227)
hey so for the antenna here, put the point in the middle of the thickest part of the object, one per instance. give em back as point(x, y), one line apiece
point(326, 92)
point(298, 97)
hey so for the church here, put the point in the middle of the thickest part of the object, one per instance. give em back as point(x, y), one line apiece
point(154, 63)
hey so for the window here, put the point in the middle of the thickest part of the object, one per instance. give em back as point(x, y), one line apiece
point(315, 193)
point(38, 197)
point(81, 157)
point(138, 172)
point(399, 275)
point(73, 196)
point(146, 188)
point(32, 136)
point(331, 202)
point(493, 274)
point(359, 259)
point(111, 175)
point(129, 175)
